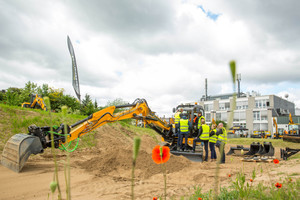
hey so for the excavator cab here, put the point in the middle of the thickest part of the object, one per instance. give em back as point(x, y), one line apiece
point(190, 110)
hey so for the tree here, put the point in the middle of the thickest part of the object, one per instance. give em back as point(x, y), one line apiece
point(44, 90)
point(30, 88)
point(96, 104)
point(87, 106)
point(70, 101)
point(12, 97)
point(55, 96)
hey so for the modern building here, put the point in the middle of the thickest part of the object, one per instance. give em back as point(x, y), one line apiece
point(253, 111)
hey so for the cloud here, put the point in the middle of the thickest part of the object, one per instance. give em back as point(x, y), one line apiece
point(158, 50)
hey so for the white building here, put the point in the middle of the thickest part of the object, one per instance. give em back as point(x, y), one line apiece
point(254, 112)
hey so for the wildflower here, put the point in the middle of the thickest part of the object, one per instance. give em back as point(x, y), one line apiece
point(199, 198)
point(160, 154)
point(276, 161)
point(278, 185)
point(154, 198)
point(229, 175)
point(251, 180)
point(290, 179)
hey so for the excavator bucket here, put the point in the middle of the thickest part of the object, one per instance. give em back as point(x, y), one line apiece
point(17, 150)
point(255, 147)
point(267, 150)
point(196, 157)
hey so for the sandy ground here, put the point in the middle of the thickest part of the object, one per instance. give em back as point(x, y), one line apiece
point(104, 172)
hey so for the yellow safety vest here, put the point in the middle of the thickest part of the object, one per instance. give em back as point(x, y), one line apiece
point(214, 137)
point(199, 121)
point(184, 125)
point(223, 137)
point(205, 132)
point(177, 117)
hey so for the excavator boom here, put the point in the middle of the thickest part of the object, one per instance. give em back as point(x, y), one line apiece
point(20, 146)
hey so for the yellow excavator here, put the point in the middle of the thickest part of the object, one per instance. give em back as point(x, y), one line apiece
point(20, 146)
point(279, 132)
point(35, 102)
point(294, 131)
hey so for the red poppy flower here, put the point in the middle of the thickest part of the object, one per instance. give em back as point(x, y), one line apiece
point(154, 198)
point(276, 161)
point(199, 198)
point(278, 185)
point(251, 180)
point(290, 180)
point(229, 175)
point(160, 154)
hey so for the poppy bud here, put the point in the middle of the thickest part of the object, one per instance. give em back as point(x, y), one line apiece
point(233, 70)
point(136, 147)
point(64, 110)
point(53, 186)
point(47, 102)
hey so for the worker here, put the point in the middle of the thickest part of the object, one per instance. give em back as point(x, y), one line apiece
point(199, 119)
point(212, 142)
point(203, 136)
point(184, 127)
point(222, 140)
point(177, 119)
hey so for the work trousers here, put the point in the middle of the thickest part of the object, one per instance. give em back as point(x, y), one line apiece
point(181, 136)
point(205, 146)
point(222, 152)
point(212, 148)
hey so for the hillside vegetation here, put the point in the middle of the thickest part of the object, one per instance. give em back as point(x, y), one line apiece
point(14, 120)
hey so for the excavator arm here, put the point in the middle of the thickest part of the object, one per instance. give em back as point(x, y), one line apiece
point(20, 146)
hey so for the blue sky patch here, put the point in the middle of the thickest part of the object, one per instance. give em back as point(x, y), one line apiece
point(209, 14)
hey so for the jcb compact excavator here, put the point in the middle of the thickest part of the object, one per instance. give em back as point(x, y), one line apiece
point(20, 146)
point(35, 102)
point(294, 131)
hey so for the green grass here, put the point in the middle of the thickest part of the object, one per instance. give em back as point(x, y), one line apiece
point(16, 120)
point(242, 189)
point(295, 174)
point(276, 143)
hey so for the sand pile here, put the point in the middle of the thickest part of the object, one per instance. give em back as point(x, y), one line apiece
point(114, 154)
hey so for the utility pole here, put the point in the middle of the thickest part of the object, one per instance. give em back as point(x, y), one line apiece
point(238, 78)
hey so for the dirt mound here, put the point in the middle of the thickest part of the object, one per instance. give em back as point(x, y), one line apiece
point(115, 156)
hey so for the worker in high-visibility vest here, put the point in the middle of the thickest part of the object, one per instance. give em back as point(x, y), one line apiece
point(184, 127)
point(203, 136)
point(199, 118)
point(212, 142)
point(177, 119)
point(222, 140)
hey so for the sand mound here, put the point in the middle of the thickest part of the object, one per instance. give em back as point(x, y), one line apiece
point(115, 155)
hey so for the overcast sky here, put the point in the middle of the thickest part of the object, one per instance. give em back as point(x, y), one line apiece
point(160, 50)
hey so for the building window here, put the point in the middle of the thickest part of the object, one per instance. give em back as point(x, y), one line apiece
point(239, 116)
point(256, 115)
point(207, 117)
point(260, 115)
point(208, 107)
point(223, 116)
point(242, 105)
point(261, 103)
point(224, 106)
point(263, 115)
point(218, 116)
point(260, 126)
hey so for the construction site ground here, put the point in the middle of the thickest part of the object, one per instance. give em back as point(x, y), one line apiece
point(104, 171)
